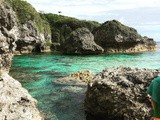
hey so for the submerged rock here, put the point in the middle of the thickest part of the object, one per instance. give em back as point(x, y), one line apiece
point(15, 101)
point(120, 94)
point(115, 37)
point(81, 41)
point(76, 78)
point(73, 87)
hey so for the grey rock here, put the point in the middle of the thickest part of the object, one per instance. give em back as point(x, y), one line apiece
point(27, 37)
point(7, 39)
point(115, 37)
point(81, 41)
point(15, 101)
point(120, 93)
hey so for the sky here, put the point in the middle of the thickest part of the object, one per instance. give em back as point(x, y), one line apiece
point(143, 15)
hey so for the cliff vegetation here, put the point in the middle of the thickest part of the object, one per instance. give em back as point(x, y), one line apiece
point(25, 12)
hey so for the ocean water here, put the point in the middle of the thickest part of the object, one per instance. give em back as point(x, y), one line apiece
point(37, 73)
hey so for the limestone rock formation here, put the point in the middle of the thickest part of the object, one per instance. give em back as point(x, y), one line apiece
point(120, 94)
point(115, 37)
point(7, 38)
point(62, 26)
point(29, 39)
point(28, 34)
point(15, 101)
point(81, 41)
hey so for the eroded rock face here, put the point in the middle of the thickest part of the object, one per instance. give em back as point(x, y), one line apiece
point(115, 37)
point(29, 39)
point(120, 94)
point(27, 36)
point(81, 41)
point(15, 101)
point(7, 38)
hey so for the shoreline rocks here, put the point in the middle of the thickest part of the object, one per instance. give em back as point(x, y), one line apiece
point(15, 101)
point(120, 93)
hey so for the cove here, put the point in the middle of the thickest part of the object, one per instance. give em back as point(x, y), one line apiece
point(37, 72)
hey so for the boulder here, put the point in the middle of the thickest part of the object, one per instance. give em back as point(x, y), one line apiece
point(115, 37)
point(15, 101)
point(81, 41)
point(120, 94)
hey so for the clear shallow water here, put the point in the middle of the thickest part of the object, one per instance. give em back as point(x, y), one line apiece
point(64, 102)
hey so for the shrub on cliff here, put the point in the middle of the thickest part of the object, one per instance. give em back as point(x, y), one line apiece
point(25, 12)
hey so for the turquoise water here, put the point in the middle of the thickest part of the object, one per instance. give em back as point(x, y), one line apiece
point(37, 72)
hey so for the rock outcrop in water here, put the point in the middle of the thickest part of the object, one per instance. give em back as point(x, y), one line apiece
point(76, 78)
point(81, 41)
point(120, 94)
point(115, 37)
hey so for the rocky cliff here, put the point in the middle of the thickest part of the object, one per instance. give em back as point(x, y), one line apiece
point(112, 36)
point(63, 26)
point(120, 94)
point(7, 37)
point(31, 32)
point(15, 101)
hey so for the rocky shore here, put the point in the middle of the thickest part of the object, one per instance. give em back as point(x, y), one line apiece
point(120, 94)
point(114, 93)
point(15, 101)
point(117, 93)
